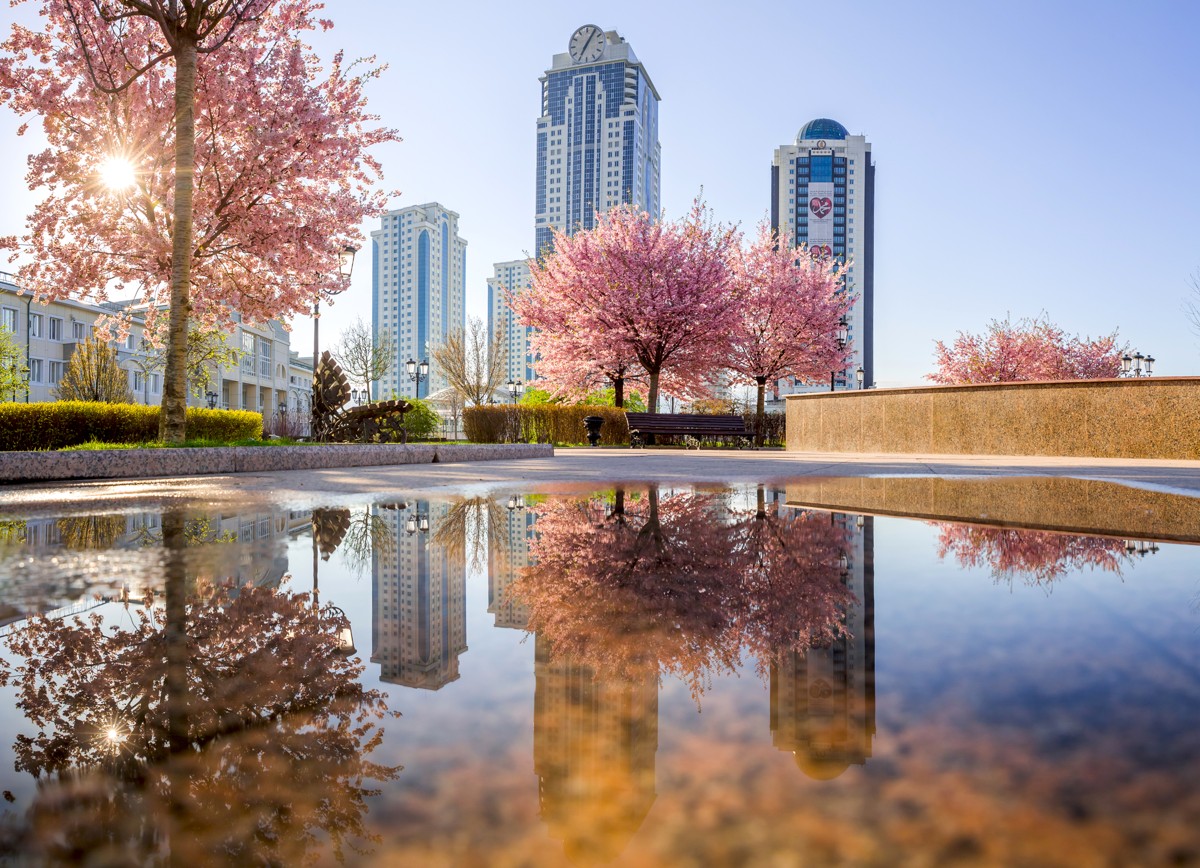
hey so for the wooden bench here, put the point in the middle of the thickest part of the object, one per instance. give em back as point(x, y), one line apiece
point(643, 424)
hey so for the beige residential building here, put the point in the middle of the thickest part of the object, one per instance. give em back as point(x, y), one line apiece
point(267, 377)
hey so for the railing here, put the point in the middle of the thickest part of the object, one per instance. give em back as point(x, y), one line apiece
point(77, 608)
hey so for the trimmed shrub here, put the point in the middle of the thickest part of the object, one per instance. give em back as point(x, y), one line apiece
point(542, 423)
point(224, 425)
point(773, 426)
point(490, 423)
point(58, 424)
point(422, 421)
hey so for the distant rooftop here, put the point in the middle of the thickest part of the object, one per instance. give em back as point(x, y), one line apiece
point(821, 128)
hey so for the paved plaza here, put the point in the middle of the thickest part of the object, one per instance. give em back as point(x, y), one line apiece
point(577, 468)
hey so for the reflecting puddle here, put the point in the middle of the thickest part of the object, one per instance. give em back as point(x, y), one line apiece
point(787, 674)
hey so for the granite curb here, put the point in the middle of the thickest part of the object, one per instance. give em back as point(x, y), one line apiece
point(17, 467)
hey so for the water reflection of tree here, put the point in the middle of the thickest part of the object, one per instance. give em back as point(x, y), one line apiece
point(91, 531)
point(13, 531)
point(222, 725)
point(471, 528)
point(681, 583)
point(1041, 557)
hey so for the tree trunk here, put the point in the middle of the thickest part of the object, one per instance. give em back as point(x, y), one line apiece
point(172, 422)
point(761, 410)
point(652, 398)
point(175, 629)
point(619, 391)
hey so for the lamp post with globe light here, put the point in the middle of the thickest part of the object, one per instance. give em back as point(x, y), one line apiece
point(417, 372)
point(1132, 366)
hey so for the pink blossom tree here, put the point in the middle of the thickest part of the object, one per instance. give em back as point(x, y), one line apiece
point(1030, 349)
point(788, 307)
point(680, 583)
point(250, 171)
point(633, 291)
point(1042, 557)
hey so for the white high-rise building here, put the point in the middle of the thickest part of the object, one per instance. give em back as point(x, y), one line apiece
point(419, 621)
point(823, 196)
point(597, 138)
point(418, 265)
point(510, 277)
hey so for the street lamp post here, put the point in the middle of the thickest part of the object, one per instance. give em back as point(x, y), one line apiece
point(418, 522)
point(417, 372)
point(211, 397)
point(843, 335)
point(858, 376)
point(515, 390)
point(1131, 366)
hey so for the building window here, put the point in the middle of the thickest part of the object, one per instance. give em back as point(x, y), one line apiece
point(154, 384)
point(57, 369)
point(56, 330)
point(131, 341)
point(8, 319)
point(79, 331)
point(138, 380)
point(35, 325)
point(35, 370)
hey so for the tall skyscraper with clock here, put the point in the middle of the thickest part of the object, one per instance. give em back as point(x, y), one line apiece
point(597, 137)
point(823, 196)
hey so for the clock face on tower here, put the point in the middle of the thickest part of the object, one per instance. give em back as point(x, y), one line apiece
point(587, 44)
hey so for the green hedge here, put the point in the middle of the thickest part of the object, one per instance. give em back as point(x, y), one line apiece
point(773, 426)
point(542, 423)
point(57, 424)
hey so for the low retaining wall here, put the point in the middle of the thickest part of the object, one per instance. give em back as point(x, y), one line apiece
point(142, 463)
point(1060, 503)
point(1148, 417)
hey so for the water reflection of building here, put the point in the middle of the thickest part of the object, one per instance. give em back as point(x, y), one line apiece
point(419, 622)
point(71, 564)
point(594, 745)
point(823, 701)
point(506, 559)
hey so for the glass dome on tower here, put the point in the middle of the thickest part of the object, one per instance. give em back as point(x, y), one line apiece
point(821, 128)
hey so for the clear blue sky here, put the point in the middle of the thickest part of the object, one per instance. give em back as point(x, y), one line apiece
point(1031, 156)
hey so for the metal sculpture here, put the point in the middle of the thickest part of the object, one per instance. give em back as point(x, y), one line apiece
point(333, 420)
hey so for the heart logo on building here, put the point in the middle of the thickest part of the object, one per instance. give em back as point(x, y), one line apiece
point(820, 207)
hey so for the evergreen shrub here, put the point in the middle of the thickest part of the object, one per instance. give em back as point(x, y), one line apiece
point(422, 421)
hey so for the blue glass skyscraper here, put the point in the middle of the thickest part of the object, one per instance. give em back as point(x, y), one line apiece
point(823, 198)
point(597, 138)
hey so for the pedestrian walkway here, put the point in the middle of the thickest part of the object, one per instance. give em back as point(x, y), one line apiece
point(581, 468)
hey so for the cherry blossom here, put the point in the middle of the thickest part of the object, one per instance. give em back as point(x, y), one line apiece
point(788, 307)
point(251, 171)
point(1030, 349)
point(634, 292)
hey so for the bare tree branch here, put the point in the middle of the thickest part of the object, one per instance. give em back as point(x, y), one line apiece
point(364, 356)
point(473, 366)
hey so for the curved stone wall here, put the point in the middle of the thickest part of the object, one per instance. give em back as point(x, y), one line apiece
point(1148, 417)
point(143, 463)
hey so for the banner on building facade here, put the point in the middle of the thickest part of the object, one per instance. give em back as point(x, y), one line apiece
point(820, 214)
